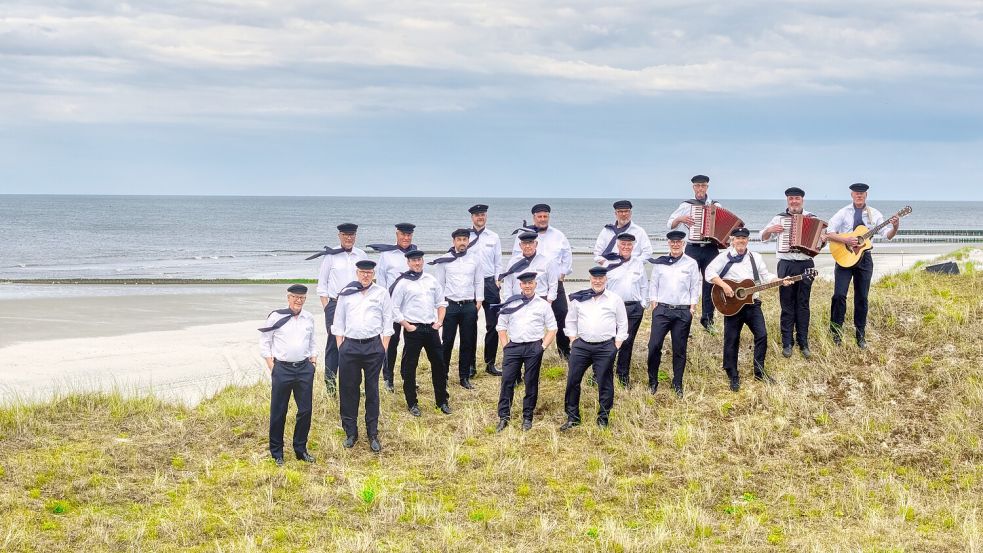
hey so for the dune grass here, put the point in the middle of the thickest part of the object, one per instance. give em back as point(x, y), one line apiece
point(851, 451)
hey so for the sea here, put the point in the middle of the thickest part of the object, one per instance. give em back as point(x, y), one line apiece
point(240, 237)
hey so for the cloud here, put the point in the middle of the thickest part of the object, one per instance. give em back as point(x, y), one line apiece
point(161, 61)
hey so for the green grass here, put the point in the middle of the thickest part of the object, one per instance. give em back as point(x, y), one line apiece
point(851, 451)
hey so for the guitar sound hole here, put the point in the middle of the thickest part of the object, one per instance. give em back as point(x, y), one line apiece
point(740, 294)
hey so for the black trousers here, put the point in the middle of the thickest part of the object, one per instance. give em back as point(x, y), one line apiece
point(794, 300)
point(288, 380)
point(514, 356)
point(331, 349)
point(389, 361)
point(676, 323)
point(560, 312)
point(703, 255)
point(492, 296)
point(425, 338)
point(752, 316)
point(463, 317)
point(583, 355)
point(635, 314)
point(354, 358)
point(861, 273)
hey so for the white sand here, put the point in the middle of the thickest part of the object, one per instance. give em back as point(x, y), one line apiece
point(186, 343)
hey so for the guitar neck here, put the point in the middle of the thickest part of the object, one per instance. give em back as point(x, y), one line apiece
point(870, 233)
point(766, 286)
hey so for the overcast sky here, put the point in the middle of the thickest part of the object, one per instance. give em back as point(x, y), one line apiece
point(502, 98)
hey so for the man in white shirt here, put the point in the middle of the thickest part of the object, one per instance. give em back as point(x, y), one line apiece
point(597, 325)
point(486, 245)
point(553, 245)
point(843, 222)
point(674, 289)
point(794, 299)
point(526, 326)
point(626, 278)
point(703, 251)
point(457, 272)
point(736, 265)
point(362, 326)
point(419, 307)
point(391, 265)
point(337, 269)
point(288, 344)
point(529, 259)
point(623, 224)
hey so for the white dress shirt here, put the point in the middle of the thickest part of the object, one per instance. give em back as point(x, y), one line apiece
point(364, 314)
point(529, 323)
point(789, 256)
point(337, 271)
point(461, 279)
point(678, 284)
point(554, 245)
point(643, 246)
point(629, 280)
point(684, 209)
point(842, 221)
point(292, 342)
point(740, 271)
point(547, 276)
point(390, 265)
point(416, 301)
point(598, 319)
point(488, 250)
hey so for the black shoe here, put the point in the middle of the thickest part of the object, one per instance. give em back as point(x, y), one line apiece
point(389, 386)
point(502, 423)
point(568, 425)
point(735, 384)
point(414, 410)
point(764, 377)
point(472, 372)
point(466, 384)
point(526, 424)
point(278, 461)
point(445, 409)
point(492, 370)
point(653, 388)
point(862, 344)
point(374, 444)
point(350, 442)
point(306, 457)
point(678, 390)
point(837, 340)
point(806, 353)
point(331, 387)
point(787, 351)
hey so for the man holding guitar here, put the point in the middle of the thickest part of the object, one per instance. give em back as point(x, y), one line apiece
point(738, 264)
point(844, 242)
point(794, 299)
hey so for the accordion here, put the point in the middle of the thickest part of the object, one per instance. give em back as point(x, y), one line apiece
point(712, 223)
point(801, 234)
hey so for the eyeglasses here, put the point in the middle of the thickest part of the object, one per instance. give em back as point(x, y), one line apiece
point(296, 297)
point(675, 241)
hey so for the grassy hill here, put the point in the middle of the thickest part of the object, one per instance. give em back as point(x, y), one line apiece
point(851, 451)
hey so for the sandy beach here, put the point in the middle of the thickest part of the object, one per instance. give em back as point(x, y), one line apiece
point(183, 343)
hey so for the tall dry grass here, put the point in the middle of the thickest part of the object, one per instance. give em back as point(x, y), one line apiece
point(851, 451)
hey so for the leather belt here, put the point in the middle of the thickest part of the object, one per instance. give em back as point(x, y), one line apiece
point(671, 306)
point(459, 302)
point(633, 303)
point(293, 364)
point(597, 343)
point(364, 340)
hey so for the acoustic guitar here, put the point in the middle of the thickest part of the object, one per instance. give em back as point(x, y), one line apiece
point(848, 257)
point(744, 292)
